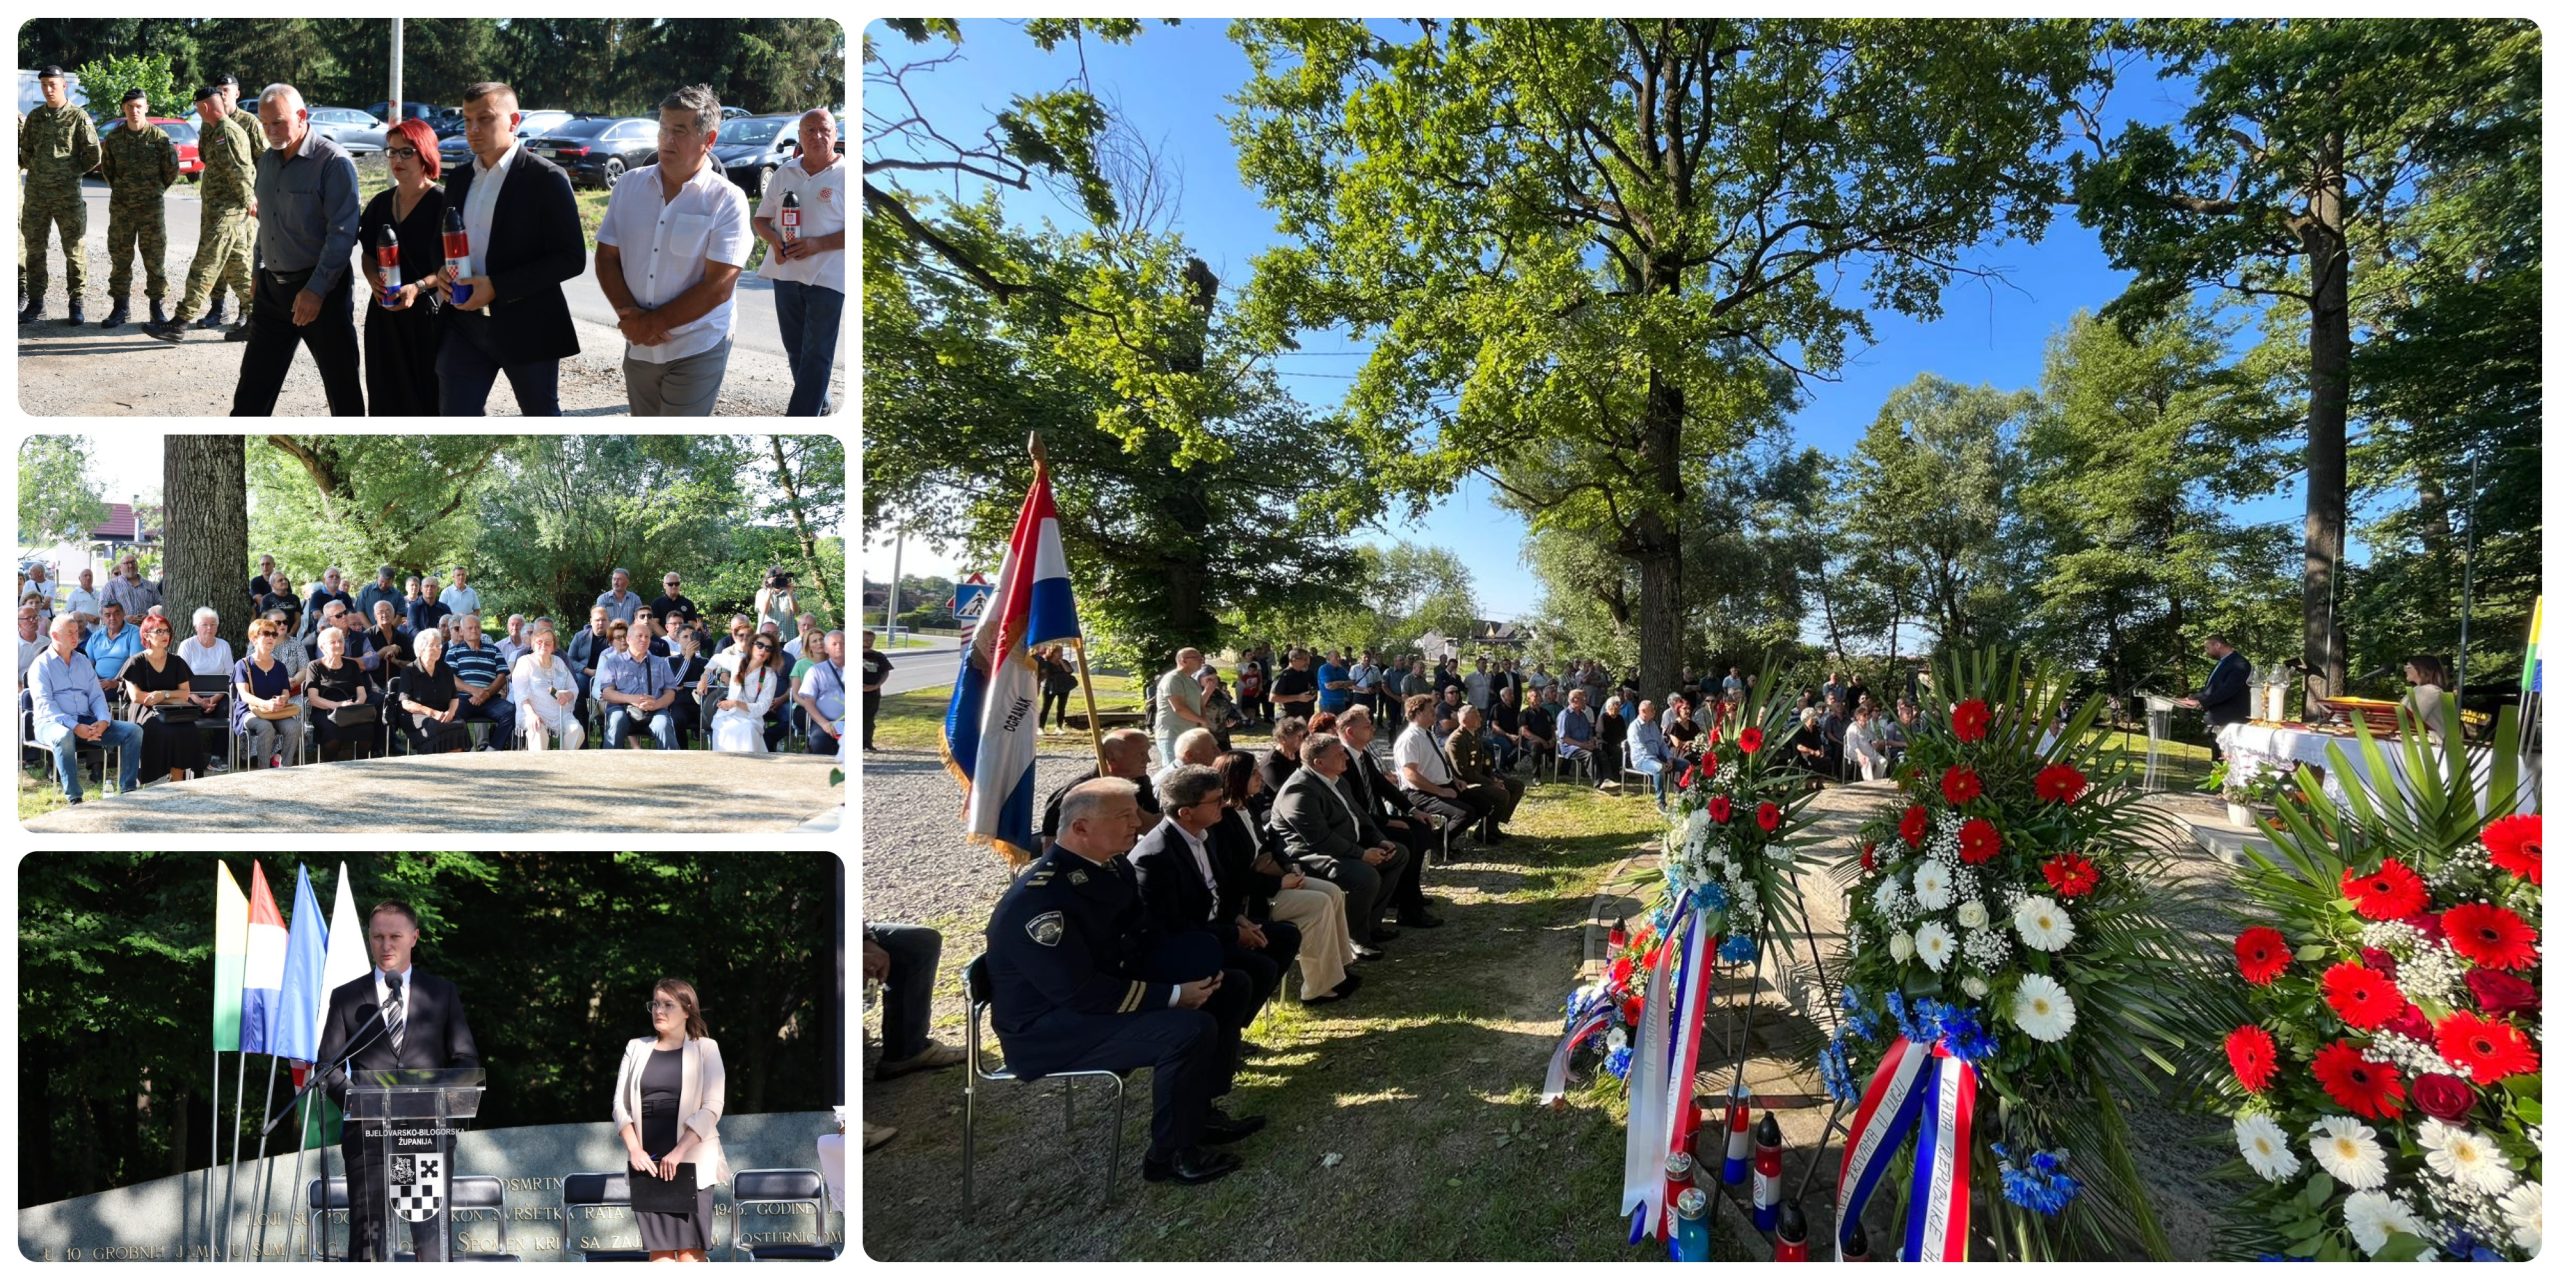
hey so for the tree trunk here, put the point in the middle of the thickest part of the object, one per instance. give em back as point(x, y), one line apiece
point(800, 529)
point(1659, 639)
point(204, 482)
point(2324, 528)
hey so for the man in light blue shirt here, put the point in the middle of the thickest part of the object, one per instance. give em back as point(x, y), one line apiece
point(822, 698)
point(71, 712)
point(112, 645)
point(1649, 753)
point(621, 604)
point(637, 687)
point(1333, 684)
point(461, 598)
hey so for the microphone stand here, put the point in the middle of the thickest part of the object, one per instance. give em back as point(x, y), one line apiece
point(375, 1029)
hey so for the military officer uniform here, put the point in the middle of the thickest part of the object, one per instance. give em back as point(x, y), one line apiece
point(140, 165)
point(249, 128)
point(1472, 761)
point(56, 146)
point(230, 175)
point(1082, 981)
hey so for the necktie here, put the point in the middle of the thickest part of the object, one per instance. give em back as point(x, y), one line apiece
point(395, 1016)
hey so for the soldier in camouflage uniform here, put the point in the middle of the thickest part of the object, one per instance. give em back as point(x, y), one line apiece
point(230, 86)
point(56, 147)
point(140, 164)
point(230, 175)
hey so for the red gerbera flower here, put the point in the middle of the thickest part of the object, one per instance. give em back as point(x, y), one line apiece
point(2060, 783)
point(2263, 954)
point(2490, 1051)
point(2362, 998)
point(1867, 860)
point(1962, 786)
point(2070, 874)
point(1715, 737)
point(2370, 1089)
point(1708, 763)
point(1720, 808)
point(2253, 1057)
point(2392, 892)
point(1915, 826)
point(1767, 816)
point(1749, 741)
point(2515, 845)
point(1977, 841)
point(2490, 935)
point(1972, 719)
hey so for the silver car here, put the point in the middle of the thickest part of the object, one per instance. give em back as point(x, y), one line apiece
point(357, 131)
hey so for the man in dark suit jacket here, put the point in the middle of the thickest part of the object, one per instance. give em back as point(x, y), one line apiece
point(421, 1025)
point(1394, 815)
point(1186, 888)
point(1334, 840)
point(2225, 698)
point(525, 240)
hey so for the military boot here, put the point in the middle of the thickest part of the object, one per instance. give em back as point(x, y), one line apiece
point(32, 312)
point(213, 318)
point(78, 317)
point(159, 315)
point(115, 315)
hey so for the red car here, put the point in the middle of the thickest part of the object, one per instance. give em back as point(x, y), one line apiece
point(182, 133)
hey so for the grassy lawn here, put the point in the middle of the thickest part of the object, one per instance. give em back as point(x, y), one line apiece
point(38, 794)
point(1404, 1122)
point(2182, 764)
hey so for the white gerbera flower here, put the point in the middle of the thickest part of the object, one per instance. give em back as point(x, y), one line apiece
point(1972, 914)
point(1934, 945)
point(2464, 1157)
point(2264, 1144)
point(2042, 923)
point(2372, 1217)
point(2042, 1008)
point(1900, 945)
point(2348, 1149)
point(2523, 1207)
point(1617, 1039)
point(1929, 885)
point(1975, 988)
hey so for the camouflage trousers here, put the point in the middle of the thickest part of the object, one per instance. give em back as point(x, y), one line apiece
point(222, 253)
point(45, 211)
point(139, 226)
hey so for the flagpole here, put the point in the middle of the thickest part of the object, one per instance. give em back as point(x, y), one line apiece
point(212, 1161)
point(231, 1181)
point(266, 1172)
point(293, 1191)
point(1084, 665)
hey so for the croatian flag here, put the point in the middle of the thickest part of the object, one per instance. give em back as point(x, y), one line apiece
point(262, 983)
point(990, 739)
point(304, 999)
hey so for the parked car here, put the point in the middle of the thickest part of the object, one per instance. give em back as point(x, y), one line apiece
point(752, 147)
point(598, 150)
point(359, 132)
point(455, 147)
point(733, 113)
point(182, 134)
point(408, 110)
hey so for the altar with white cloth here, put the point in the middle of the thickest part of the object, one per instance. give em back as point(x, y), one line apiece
point(2251, 745)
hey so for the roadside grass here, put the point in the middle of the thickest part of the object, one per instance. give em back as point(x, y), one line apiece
point(1404, 1123)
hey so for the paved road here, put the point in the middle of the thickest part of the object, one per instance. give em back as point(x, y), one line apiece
point(913, 669)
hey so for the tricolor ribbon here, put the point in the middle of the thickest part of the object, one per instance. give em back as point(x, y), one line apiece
point(1927, 1089)
point(1592, 1021)
point(1688, 1022)
point(1664, 1067)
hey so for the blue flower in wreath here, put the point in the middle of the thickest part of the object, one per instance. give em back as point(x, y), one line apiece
point(1851, 1002)
point(1967, 1035)
point(1616, 1063)
point(2040, 1184)
point(1711, 897)
point(1894, 1005)
point(1838, 1081)
point(1737, 949)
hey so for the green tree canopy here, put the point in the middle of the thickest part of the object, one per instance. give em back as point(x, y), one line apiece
point(58, 500)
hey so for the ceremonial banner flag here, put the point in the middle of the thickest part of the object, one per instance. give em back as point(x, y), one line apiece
point(304, 997)
point(262, 982)
point(2533, 650)
point(990, 737)
point(230, 957)
point(347, 962)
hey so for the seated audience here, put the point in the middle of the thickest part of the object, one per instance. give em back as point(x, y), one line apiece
point(737, 720)
point(821, 697)
point(71, 711)
point(1187, 889)
point(159, 684)
point(1471, 760)
point(1649, 753)
point(480, 676)
point(545, 692)
point(1315, 907)
point(264, 690)
point(1331, 838)
point(432, 700)
point(345, 707)
point(1124, 756)
point(638, 690)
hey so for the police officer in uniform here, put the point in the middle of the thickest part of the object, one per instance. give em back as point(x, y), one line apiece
point(230, 174)
point(1082, 981)
point(228, 85)
point(140, 164)
point(57, 145)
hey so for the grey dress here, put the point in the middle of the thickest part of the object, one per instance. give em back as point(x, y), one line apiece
point(661, 1093)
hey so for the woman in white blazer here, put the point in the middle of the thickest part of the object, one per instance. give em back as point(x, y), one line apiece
point(667, 1105)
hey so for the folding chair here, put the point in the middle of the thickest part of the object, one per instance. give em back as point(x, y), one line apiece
point(581, 1196)
point(980, 986)
point(322, 1197)
point(781, 1186)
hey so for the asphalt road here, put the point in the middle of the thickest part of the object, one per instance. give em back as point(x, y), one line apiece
point(912, 669)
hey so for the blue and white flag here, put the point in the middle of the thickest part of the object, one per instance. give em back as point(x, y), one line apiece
point(306, 984)
point(991, 737)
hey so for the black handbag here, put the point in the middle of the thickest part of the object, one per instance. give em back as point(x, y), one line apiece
point(178, 713)
point(355, 713)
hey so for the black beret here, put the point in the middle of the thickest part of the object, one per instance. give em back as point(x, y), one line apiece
point(226, 78)
point(49, 72)
point(208, 91)
point(135, 95)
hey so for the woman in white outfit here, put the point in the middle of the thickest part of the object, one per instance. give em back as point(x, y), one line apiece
point(546, 692)
point(738, 723)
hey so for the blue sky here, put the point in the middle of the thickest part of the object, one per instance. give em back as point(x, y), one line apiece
point(1172, 84)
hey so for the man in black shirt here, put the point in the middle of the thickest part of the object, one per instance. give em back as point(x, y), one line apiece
point(674, 602)
point(875, 673)
point(1537, 731)
point(1293, 691)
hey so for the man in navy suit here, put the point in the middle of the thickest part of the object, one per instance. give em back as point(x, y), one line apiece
point(421, 1026)
point(525, 240)
point(2225, 698)
point(1186, 889)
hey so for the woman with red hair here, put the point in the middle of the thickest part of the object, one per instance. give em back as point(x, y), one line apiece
point(402, 329)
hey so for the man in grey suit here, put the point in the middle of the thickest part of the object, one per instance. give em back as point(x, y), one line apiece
point(1332, 839)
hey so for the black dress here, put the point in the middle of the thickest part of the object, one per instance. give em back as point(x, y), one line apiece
point(165, 746)
point(661, 1125)
point(686, 708)
point(340, 685)
point(400, 346)
point(434, 691)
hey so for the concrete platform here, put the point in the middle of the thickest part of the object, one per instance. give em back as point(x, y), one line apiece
point(589, 792)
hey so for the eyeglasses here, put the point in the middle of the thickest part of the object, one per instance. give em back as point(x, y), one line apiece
point(665, 1006)
point(401, 153)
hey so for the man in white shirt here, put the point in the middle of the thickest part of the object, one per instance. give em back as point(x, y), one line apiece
point(81, 602)
point(31, 639)
point(458, 597)
point(668, 255)
point(807, 275)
